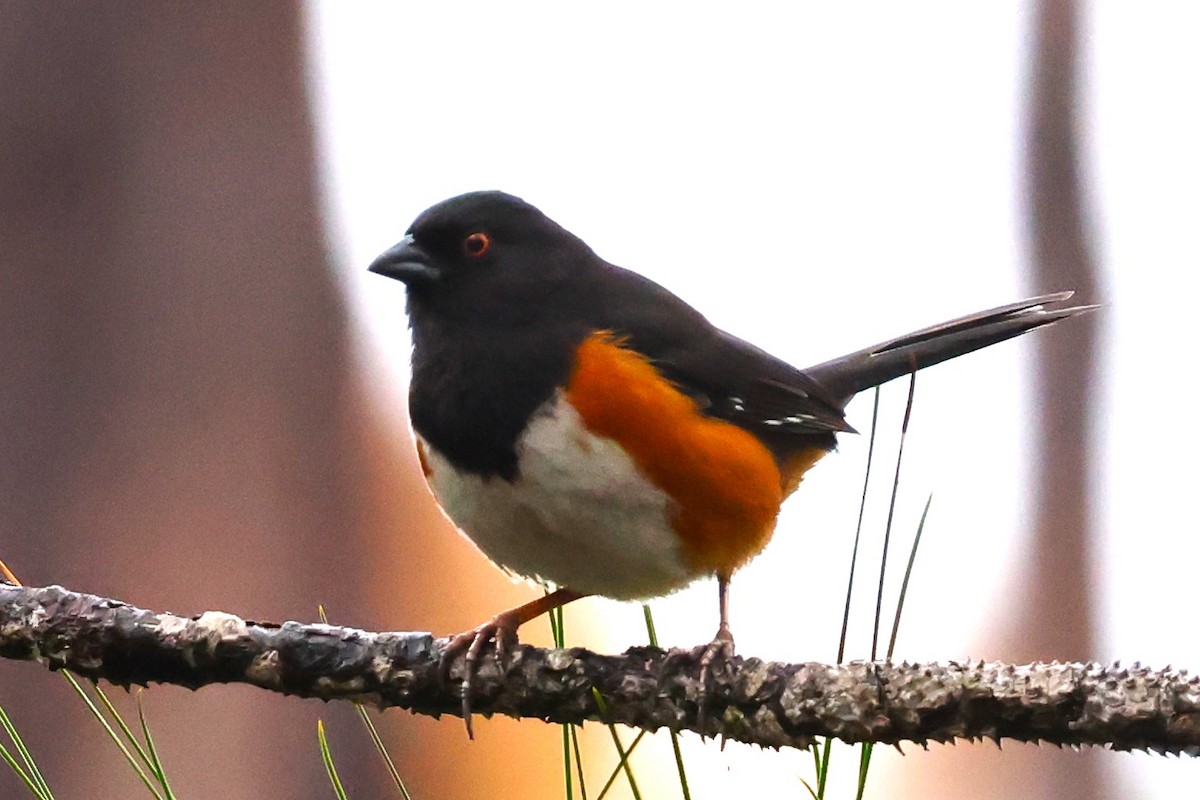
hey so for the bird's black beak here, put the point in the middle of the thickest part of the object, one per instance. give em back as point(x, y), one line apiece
point(406, 262)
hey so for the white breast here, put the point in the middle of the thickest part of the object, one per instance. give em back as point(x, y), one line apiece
point(580, 514)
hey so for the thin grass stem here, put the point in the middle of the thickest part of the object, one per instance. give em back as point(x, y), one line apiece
point(339, 791)
point(112, 734)
point(887, 531)
point(862, 508)
point(621, 751)
point(912, 557)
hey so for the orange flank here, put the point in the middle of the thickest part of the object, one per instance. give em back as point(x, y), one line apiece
point(726, 486)
point(798, 463)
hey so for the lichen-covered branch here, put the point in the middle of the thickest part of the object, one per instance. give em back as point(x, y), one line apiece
point(770, 704)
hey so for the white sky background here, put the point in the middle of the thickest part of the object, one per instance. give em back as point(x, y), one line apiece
point(816, 177)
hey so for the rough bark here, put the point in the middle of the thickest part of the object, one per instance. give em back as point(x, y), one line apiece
point(753, 701)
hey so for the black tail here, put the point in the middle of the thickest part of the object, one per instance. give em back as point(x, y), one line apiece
point(847, 376)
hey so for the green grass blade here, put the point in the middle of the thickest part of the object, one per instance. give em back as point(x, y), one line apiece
point(125, 729)
point(36, 785)
point(31, 767)
point(377, 740)
point(912, 557)
point(578, 761)
point(811, 792)
point(823, 768)
point(33, 777)
point(559, 635)
point(619, 768)
point(156, 763)
point(621, 751)
point(864, 763)
point(862, 509)
point(568, 773)
point(683, 783)
point(141, 773)
point(339, 791)
point(24, 776)
point(557, 632)
point(652, 633)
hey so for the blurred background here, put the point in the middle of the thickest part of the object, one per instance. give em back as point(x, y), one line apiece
point(203, 393)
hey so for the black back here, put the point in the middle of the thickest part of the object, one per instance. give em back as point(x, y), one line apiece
point(494, 336)
point(494, 339)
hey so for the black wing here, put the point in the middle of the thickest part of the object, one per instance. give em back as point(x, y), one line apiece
point(733, 380)
point(729, 378)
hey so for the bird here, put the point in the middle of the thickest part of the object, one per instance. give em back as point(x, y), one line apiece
point(589, 430)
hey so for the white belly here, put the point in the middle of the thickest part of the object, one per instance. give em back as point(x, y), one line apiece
point(580, 514)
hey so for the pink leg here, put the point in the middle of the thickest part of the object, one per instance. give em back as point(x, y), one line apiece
point(501, 629)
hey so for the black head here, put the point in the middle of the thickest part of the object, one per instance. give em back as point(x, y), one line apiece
point(484, 256)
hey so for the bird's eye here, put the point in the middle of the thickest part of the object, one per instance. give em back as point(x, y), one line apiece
point(476, 244)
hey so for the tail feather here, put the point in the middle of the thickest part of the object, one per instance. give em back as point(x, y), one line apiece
point(848, 375)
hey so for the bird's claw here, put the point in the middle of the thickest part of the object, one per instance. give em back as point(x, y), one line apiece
point(716, 654)
point(499, 630)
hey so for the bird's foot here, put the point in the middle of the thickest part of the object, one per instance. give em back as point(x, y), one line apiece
point(715, 657)
point(502, 630)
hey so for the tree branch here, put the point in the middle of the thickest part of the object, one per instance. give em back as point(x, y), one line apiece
point(769, 704)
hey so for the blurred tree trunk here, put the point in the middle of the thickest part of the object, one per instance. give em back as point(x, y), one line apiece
point(1055, 600)
point(179, 408)
point(1050, 612)
point(183, 421)
point(1058, 601)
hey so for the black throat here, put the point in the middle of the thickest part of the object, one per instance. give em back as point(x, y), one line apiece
point(475, 387)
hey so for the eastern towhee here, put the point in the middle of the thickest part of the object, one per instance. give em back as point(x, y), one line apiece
point(588, 429)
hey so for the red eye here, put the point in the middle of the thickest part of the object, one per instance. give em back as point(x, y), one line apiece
point(478, 243)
